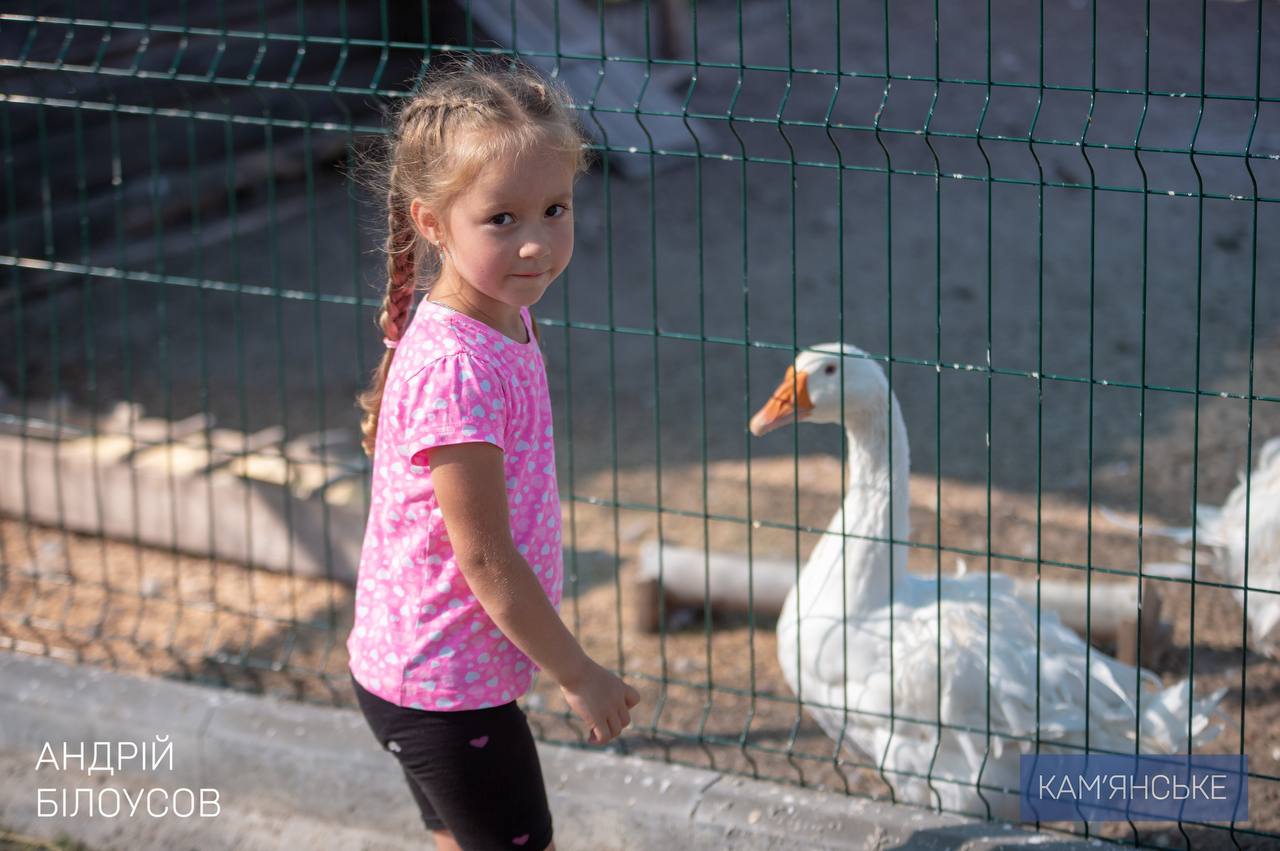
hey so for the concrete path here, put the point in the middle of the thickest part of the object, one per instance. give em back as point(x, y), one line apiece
point(291, 776)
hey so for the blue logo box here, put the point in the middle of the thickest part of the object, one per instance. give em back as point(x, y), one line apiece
point(1150, 787)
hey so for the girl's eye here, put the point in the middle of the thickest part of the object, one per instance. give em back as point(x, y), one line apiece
point(497, 219)
point(830, 369)
point(557, 210)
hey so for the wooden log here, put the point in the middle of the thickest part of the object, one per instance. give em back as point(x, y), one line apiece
point(683, 577)
point(680, 577)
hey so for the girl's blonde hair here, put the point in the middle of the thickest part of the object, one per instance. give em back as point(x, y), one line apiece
point(466, 112)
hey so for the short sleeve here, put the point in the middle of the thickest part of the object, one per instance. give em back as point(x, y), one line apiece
point(455, 399)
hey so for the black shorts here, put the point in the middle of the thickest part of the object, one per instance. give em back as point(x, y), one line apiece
point(474, 772)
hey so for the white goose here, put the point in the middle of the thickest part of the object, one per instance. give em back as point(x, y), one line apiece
point(1223, 529)
point(855, 600)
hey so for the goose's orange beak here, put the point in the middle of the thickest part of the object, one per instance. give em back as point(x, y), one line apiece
point(789, 403)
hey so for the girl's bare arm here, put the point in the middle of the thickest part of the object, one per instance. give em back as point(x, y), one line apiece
point(471, 489)
point(470, 485)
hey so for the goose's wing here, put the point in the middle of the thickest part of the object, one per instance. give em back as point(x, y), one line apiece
point(1123, 702)
point(999, 673)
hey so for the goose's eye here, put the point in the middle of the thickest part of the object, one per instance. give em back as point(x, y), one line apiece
point(830, 369)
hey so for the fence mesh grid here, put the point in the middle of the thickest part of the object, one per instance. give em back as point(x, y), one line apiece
point(1046, 223)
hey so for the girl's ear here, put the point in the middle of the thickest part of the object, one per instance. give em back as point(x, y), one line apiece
point(425, 222)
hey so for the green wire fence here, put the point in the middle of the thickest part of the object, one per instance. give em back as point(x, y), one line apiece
point(1050, 225)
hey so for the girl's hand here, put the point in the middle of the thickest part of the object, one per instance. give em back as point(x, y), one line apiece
point(602, 701)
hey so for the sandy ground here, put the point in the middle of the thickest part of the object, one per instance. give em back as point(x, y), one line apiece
point(713, 693)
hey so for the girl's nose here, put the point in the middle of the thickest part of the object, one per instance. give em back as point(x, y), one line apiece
point(531, 250)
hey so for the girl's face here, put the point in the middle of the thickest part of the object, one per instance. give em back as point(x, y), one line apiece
point(510, 233)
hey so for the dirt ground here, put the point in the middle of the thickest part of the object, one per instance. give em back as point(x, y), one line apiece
point(713, 694)
point(1125, 299)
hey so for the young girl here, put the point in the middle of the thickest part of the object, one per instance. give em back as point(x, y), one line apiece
point(460, 574)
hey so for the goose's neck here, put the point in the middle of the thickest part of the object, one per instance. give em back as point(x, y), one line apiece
point(877, 496)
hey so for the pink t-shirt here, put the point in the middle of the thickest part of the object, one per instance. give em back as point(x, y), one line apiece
point(420, 637)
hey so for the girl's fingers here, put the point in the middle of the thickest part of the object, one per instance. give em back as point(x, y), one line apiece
point(626, 719)
point(632, 697)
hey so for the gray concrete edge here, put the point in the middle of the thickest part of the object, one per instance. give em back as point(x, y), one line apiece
point(294, 769)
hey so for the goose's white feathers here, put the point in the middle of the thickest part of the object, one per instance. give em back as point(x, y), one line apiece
point(1224, 530)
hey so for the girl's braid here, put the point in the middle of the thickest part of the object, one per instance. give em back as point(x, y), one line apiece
point(401, 267)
